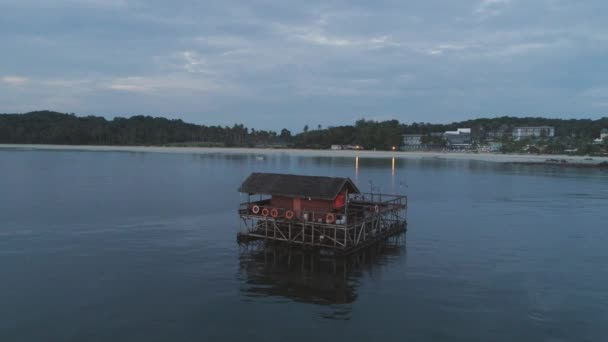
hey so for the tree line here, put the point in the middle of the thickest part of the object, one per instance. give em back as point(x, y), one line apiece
point(46, 127)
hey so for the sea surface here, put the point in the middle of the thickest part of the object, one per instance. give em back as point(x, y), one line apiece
point(120, 246)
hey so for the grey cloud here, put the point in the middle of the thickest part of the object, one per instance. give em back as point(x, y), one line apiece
point(329, 62)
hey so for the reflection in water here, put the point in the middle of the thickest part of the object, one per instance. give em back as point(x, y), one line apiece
point(393, 176)
point(356, 167)
point(276, 271)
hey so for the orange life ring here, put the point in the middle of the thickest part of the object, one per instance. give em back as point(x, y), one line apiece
point(274, 212)
point(330, 218)
point(265, 212)
point(289, 214)
point(255, 209)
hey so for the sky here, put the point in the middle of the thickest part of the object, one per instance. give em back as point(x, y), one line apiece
point(274, 64)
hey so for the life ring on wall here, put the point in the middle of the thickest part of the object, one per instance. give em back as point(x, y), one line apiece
point(255, 209)
point(330, 218)
point(265, 212)
point(289, 214)
point(274, 212)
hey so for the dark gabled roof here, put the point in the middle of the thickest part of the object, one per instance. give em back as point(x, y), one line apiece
point(324, 188)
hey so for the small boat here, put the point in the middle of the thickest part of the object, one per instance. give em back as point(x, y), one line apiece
point(260, 157)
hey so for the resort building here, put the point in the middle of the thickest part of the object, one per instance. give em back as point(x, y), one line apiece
point(603, 135)
point(412, 142)
point(533, 132)
point(497, 134)
point(346, 147)
point(490, 147)
point(459, 139)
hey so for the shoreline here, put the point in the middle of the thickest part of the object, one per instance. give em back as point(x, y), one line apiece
point(532, 159)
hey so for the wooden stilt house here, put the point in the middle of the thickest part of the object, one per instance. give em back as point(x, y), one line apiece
point(299, 197)
point(317, 211)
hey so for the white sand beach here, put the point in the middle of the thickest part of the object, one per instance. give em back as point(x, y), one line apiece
point(486, 157)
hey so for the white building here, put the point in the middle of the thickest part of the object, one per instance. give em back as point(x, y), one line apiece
point(412, 140)
point(533, 132)
point(460, 138)
point(603, 135)
point(346, 147)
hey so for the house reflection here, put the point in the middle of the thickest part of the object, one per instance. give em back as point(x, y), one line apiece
point(310, 276)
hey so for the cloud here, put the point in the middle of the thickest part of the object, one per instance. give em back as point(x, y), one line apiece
point(517, 49)
point(194, 63)
point(100, 4)
point(596, 97)
point(319, 37)
point(169, 84)
point(45, 93)
point(490, 8)
point(49, 83)
point(317, 33)
point(127, 86)
point(443, 48)
point(14, 80)
point(250, 60)
point(325, 86)
point(236, 52)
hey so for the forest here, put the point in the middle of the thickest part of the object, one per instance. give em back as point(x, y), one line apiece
point(47, 127)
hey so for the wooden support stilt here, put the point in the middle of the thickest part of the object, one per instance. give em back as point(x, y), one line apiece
point(364, 225)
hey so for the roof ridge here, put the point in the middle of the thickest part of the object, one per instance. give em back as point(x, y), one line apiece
point(292, 185)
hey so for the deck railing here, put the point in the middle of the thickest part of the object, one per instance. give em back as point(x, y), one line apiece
point(353, 212)
point(364, 219)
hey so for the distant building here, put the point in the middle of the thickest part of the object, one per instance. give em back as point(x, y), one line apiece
point(352, 147)
point(533, 132)
point(603, 135)
point(412, 142)
point(491, 147)
point(346, 147)
point(459, 139)
point(497, 134)
point(459, 131)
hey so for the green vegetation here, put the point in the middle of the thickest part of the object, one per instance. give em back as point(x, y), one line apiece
point(45, 127)
point(56, 128)
point(369, 134)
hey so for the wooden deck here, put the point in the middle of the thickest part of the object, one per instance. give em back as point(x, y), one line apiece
point(365, 220)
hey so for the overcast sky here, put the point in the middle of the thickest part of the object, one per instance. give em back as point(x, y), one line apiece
point(274, 64)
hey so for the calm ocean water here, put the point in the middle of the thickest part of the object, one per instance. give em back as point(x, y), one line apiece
point(104, 246)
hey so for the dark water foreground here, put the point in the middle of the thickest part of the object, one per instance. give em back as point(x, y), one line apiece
point(141, 247)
